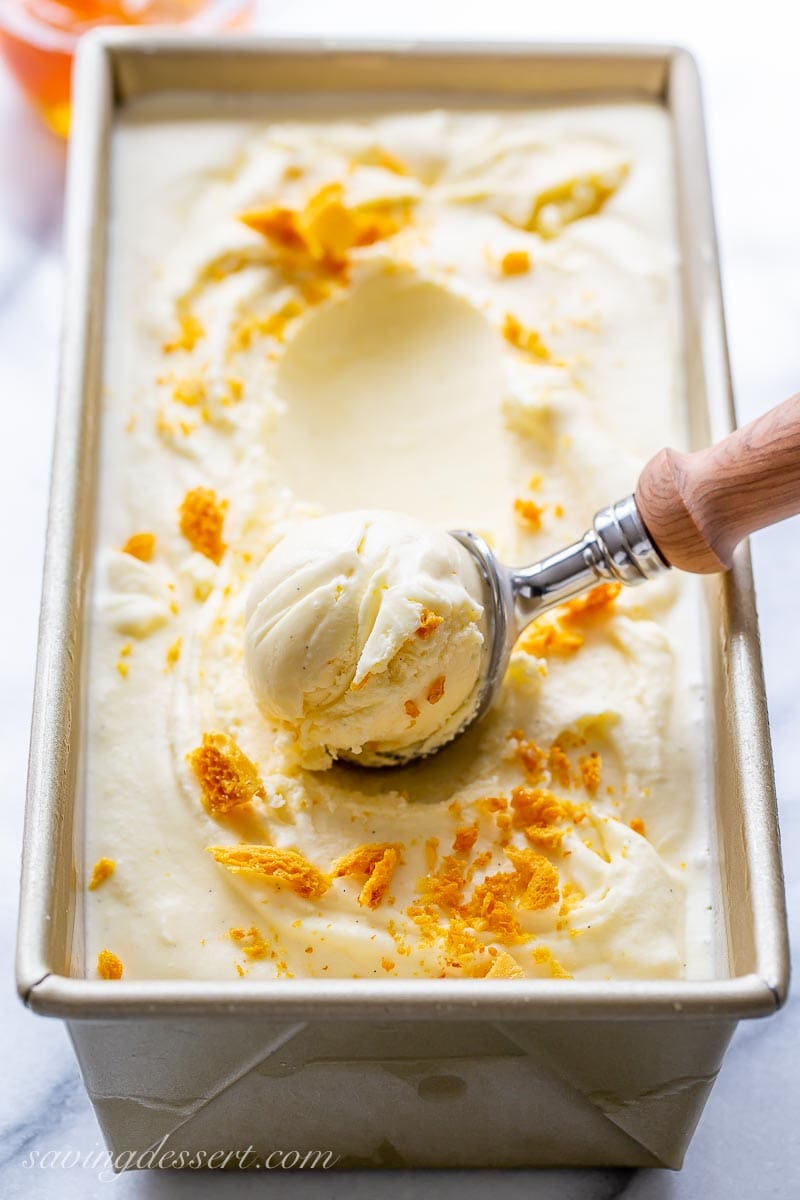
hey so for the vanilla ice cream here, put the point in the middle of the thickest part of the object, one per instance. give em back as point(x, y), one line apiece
point(470, 317)
point(365, 636)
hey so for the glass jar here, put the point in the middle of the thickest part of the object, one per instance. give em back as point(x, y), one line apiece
point(38, 38)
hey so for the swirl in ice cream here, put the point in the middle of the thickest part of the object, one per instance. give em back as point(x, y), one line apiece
point(365, 635)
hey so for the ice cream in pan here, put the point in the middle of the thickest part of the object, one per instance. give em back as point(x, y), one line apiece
point(469, 318)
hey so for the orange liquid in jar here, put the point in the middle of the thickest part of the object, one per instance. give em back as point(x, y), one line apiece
point(38, 38)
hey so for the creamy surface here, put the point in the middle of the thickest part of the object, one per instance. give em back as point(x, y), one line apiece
point(476, 323)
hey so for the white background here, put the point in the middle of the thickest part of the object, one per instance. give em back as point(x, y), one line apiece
point(747, 1145)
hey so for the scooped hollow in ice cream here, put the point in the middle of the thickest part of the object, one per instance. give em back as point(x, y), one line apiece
point(365, 635)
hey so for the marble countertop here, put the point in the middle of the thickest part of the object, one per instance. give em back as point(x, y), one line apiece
point(748, 1141)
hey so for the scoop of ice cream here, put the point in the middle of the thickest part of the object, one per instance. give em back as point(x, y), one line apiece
point(365, 634)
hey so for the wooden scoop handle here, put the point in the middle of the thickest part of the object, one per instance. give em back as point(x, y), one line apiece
point(698, 507)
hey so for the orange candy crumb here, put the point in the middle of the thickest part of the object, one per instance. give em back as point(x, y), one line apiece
point(465, 838)
point(429, 622)
point(141, 546)
point(190, 391)
point(108, 965)
point(103, 869)
point(531, 757)
point(543, 956)
point(226, 775)
point(504, 967)
point(537, 811)
point(557, 635)
point(559, 766)
point(545, 638)
point(515, 262)
point(283, 868)
point(594, 603)
point(202, 517)
point(524, 339)
point(529, 514)
point(174, 652)
point(325, 231)
point(538, 877)
point(376, 863)
point(190, 331)
point(250, 941)
point(590, 768)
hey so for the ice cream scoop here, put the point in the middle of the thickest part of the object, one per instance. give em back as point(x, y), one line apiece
point(380, 639)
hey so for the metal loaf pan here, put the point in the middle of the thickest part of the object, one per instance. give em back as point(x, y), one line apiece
point(391, 1073)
